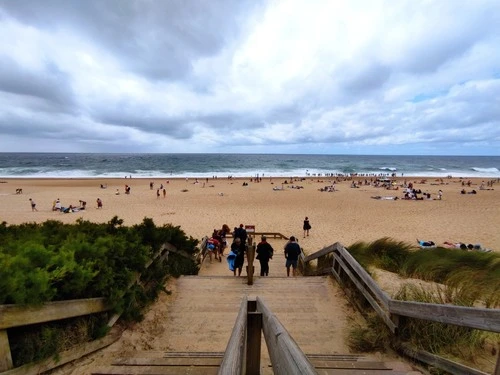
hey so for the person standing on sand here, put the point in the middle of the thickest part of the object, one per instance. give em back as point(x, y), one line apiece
point(306, 227)
point(292, 252)
point(264, 253)
point(99, 203)
point(33, 205)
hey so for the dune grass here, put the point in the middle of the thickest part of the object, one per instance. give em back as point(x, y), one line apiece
point(471, 278)
point(463, 278)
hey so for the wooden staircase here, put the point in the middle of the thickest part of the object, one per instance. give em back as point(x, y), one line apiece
point(209, 305)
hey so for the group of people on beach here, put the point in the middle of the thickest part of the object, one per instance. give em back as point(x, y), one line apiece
point(217, 243)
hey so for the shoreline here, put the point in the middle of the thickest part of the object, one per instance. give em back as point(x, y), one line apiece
point(347, 215)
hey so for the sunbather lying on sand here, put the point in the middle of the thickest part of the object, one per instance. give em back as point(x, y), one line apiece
point(463, 246)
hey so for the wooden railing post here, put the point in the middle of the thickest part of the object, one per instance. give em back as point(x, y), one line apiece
point(254, 333)
point(5, 355)
point(250, 267)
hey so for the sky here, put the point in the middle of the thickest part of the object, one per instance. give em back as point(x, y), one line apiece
point(250, 76)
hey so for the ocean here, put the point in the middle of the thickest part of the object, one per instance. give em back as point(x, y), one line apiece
point(79, 165)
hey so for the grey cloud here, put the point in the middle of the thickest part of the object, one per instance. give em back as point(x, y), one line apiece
point(175, 127)
point(158, 39)
point(360, 80)
point(51, 85)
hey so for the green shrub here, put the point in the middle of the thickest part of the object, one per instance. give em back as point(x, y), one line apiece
point(53, 261)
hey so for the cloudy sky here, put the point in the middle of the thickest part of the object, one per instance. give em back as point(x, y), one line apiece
point(249, 76)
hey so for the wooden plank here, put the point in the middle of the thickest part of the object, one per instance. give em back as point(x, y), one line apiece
point(157, 370)
point(286, 356)
point(358, 365)
point(65, 357)
point(383, 314)
point(358, 372)
point(364, 276)
point(169, 361)
point(5, 354)
point(473, 317)
point(232, 362)
point(440, 362)
point(22, 315)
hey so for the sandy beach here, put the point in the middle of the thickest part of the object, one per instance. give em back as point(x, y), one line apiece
point(346, 215)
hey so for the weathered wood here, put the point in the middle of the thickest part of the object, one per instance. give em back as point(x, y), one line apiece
point(22, 315)
point(322, 252)
point(250, 267)
point(157, 370)
point(267, 234)
point(440, 362)
point(5, 354)
point(286, 356)
point(254, 334)
point(358, 365)
point(382, 296)
point(232, 362)
point(383, 314)
point(66, 356)
point(473, 317)
point(170, 361)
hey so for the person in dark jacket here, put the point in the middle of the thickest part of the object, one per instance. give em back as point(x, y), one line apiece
point(264, 253)
point(292, 252)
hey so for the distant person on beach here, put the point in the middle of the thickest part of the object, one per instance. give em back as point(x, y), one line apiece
point(264, 253)
point(99, 203)
point(33, 205)
point(440, 194)
point(292, 252)
point(306, 227)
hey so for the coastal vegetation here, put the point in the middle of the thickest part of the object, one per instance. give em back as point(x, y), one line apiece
point(52, 261)
point(454, 276)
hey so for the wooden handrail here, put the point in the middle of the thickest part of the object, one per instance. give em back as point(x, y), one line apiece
point(286, 356)
point(232, 362)
point(472, 317)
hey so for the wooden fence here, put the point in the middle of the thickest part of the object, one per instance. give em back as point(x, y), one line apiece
point(345, 267)
point(16, 316)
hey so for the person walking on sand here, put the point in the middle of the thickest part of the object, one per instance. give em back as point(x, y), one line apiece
point(292, 252)
point(264, 253)
point(33, 205)
point(99, 203)
point(306, 227)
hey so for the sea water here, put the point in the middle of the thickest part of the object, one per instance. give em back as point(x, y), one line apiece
point(96, 165)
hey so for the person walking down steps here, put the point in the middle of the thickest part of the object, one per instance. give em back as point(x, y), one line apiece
point(264, 253)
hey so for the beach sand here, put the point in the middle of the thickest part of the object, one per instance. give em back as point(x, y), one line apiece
point(347, 215)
